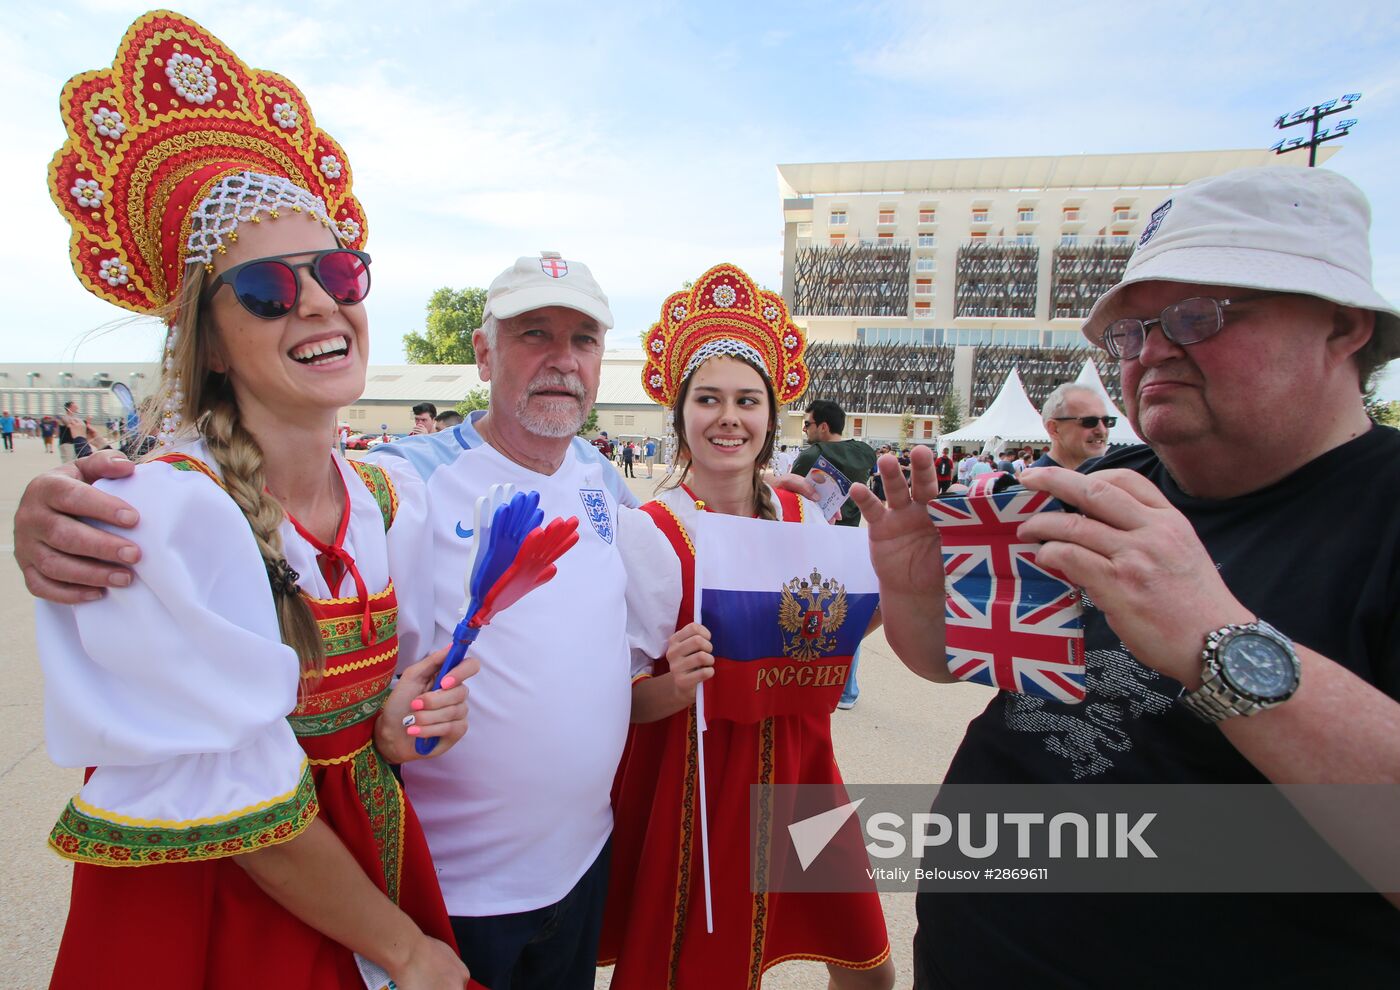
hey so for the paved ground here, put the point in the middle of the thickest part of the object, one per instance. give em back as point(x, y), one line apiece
point(903, 730)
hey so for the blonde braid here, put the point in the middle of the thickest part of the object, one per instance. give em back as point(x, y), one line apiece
point(240, 462)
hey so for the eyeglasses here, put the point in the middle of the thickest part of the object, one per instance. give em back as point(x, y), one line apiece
point(1187, 322)
point(269, 288)
point(1088, 422)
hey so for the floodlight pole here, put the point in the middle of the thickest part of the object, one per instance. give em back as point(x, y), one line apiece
point(1314, 117)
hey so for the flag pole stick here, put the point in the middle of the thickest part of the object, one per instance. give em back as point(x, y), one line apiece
point(704, 817)
point(700, 751)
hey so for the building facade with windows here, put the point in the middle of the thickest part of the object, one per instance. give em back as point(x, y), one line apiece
point(882, 260)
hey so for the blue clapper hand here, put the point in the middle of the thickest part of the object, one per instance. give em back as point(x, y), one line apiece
point(503, 521)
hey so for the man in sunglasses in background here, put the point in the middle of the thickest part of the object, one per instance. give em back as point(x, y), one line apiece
point(1242, 608)
point(1077, 420)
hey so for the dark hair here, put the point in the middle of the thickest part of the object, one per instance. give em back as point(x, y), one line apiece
point(828, 412)
point(449, 417)
point(425, 407)
point(763, 500)
point(1374, 355)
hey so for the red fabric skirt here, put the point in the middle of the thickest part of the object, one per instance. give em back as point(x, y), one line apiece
point(187, 926)
point(654, 926)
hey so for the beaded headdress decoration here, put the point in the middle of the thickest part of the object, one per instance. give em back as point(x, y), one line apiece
point(724, 313)
point(172, 148)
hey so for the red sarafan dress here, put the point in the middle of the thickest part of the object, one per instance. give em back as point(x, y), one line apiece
point(159, 899)
point(654, 929)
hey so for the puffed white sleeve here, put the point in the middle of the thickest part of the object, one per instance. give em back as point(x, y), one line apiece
point(177, 690)
point(410, 541)
point(653, 587)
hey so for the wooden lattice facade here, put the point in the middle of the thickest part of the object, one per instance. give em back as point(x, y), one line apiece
point(1041, 369)
point(902, 377)
point(1082, 273)
point(862, 278)
point(997, 279)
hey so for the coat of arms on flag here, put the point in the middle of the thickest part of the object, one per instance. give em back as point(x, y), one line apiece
point(1010, 623)
point(810, 612)
point(782, 644)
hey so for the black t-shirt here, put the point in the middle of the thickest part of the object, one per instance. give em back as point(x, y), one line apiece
point(1318, 556)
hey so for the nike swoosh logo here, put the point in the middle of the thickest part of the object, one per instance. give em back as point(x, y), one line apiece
point(465, 534)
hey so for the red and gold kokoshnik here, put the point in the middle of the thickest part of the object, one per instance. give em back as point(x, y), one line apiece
point(724, 308)
point(149, 137)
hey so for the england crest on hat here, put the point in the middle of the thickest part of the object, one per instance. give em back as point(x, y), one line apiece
point(1153, 222)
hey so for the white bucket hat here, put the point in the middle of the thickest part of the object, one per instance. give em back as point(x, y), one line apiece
point(1283, 229)
point(547, 280)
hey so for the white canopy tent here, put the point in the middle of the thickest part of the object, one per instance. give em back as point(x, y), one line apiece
point(1121, 433)
point(1010, 417)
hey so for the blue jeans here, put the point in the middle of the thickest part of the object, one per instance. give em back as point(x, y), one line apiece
point(852, 690)
point(549, 948)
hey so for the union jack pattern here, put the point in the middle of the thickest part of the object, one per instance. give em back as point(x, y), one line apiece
point(1011, 624)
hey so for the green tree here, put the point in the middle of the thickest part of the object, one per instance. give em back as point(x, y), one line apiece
point(1385, 413)
point(477, 398)
point(447, 333)
point(590, 425)
point(950, 416)
point(906, 426)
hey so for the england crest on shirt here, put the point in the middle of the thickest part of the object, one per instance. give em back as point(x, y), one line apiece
point(595, 506)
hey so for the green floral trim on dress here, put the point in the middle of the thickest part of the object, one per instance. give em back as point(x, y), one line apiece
point(337, 709)
point(85, 836)
point(341, 635)
point(381, 488)
point(383, 802)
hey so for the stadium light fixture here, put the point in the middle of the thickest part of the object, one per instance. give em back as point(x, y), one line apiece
point(1313, 115)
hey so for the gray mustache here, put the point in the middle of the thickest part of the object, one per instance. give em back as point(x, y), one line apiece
point(566, 383)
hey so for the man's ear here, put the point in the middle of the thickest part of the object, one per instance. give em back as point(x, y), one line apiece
point(1352, 329)
point(482, 347)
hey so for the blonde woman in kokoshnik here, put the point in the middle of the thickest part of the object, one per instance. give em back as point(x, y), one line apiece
point(715, 358)
point(240, 826)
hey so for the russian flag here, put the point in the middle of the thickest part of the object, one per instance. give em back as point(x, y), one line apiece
point(787, 606)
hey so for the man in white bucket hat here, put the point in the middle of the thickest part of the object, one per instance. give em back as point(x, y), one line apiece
point(1242, 604)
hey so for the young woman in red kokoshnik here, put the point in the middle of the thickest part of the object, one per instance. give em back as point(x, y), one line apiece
point(239, 825)
point(724, 356)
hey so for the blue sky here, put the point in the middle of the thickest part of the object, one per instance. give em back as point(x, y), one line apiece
point(642, 139)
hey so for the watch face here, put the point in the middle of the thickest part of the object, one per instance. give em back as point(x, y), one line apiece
point(1259, 666)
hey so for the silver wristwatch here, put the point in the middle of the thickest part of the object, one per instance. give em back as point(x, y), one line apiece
point(1247, 669)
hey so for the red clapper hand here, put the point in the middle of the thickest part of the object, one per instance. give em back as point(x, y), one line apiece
point(534, 565)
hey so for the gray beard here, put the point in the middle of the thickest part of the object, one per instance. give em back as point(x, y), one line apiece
point(544, 425)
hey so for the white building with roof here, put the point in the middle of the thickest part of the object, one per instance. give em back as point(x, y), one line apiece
point(40, 389)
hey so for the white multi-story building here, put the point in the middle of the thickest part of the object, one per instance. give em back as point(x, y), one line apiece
point(967, 253)
point(967, 248)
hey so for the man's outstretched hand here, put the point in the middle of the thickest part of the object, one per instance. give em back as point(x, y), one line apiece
point(63, 557)
point(907, 555)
